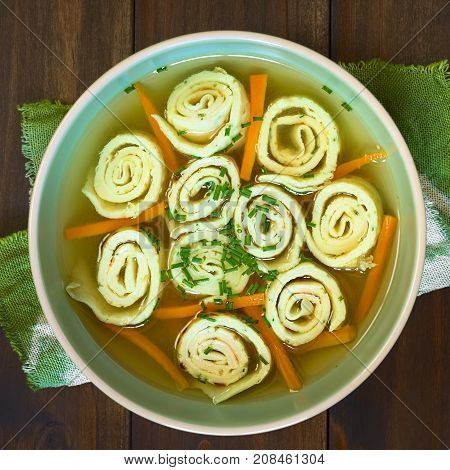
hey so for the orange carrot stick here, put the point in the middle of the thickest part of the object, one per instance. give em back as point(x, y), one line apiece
point(185, 311)
point(149, 108)
point(346, 334)
point(380, 258)
point(279, 354)
point(109, 225)
point(154, 352)
point(353, 165)
point(258, 85)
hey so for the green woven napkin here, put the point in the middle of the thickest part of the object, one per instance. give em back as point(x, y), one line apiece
point(418, 99)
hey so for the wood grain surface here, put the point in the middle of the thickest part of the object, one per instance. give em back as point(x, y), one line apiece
point(406, 404)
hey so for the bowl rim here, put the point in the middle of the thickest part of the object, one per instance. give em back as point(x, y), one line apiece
point(34, 223)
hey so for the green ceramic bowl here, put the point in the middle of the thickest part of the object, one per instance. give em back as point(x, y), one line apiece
point(389, 313)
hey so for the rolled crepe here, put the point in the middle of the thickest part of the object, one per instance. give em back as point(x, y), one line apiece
point(204, 114)
point(302, 302)
point(216, 350)
point(128, 279)
point(128, 177)
point(346, 220)
point(204, 195)
point(270, 226)
point(196, 263)
point(298, 144)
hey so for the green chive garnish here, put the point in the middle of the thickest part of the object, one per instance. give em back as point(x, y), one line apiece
point(236, 137)
point(203, 305)
point(257, 118)
point(252, 213)
point(207, 350)
point(266, 321)
point(246, 192)
point(129, 89)
point(327, 89)
point(346, 106)
point(169, 214)
point(182, 132)
point(197, 260)
point(269, 199)
point(269, 247)
point(308, 175)
point(177, 172)
point(253, 288)
point(161, 69)
point(245, 124)
point(341, 298)
point(227, 130)
point(177, 265)
point(206, 316)
point(163, 275)
point(222, 172)
point(248, 239)
point(263, 360)
point(310, 224)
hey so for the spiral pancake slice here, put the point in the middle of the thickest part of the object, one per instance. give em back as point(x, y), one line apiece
point(271, 226)
point(302, 302)
point(214, 350)
point(128, 178)
point(204, 195)
point(197, 265)
point(128, 279)
point(346, 220)
point(204, 114)
point(298, 144)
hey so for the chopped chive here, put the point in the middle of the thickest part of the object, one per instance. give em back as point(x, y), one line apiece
point(177, 265)
point(341, 298)
point(195, 156)
point(179, 170)
point(187, 274)
point(304, 259)
point(188, 283)
point(169, 274)
point(248, 239)
point(327, 89)
point(236, 137)
point(169, 214)
point(222, 172)
point(182, 132)
point(263, 360)
point(158, 301)
point(215, 214)
point(196, 259)
point(229, 305)
point(206, 316)
point(245, 124)
point(227, 130)
point(257, 118)
point(252, 213)
point(253, 288)
point(180, 217)
point(310, 224)
point(230, 270)
point(203, 305)
point(355, 211)
point(161, 69)
point(246, 192)
point(308, 175)
point(269, 199)
point(227, 148)
point(163, 275)
point(202, 380)
point(129, 89)
point(218, 301)
point(262, 208)
point(269, 247)
point(263, 170)
point(346, 106)
point(216, 243)
point(183, 292)
point(207, 350)
point(262, 288)
point(271, 275)
point(202, 279)
point(266, 321)
point(217, 191)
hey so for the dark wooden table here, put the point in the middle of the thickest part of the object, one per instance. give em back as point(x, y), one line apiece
point(90, 37)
